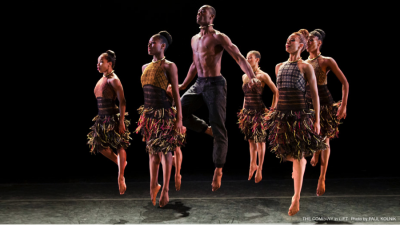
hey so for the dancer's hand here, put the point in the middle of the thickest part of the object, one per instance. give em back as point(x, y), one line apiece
point(342, 112)
point(122, 127)
point(255, 85)
point(181, 87)
point(179, 128)
point(169, 91)
point(317, 127)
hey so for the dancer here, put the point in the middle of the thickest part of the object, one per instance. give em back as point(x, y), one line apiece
point(293, 134)
point(252, 118)
point(159, 123)
point(331, 113)
point(210, 87)
point(110, 128)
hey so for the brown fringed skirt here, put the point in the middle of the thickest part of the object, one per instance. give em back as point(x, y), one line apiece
point(157, 129)
point(328, 111)
point(291, 127)
point(105, 134)
point(253, 123)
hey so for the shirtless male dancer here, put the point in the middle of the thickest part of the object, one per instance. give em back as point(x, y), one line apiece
point(210, 86)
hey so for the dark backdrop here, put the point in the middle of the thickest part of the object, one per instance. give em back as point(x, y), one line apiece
point(69, 38)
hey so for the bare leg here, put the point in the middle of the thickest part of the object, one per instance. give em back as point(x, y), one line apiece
point(209, 131)
point(177, 162)
point(253, 158)
point(154, 163)
point(166, 165)
point(261, 154)
point(298, 172)
point(121, 170)
point(324, 166)
point(108, 153)
point(216, 183)
point(315, 158)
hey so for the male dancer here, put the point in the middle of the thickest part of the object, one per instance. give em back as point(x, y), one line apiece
point(210, 86)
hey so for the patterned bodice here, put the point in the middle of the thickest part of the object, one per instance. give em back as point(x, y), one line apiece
point(154, 75)
point(319, 73)
point(289, 76)
point(106, 103)
point(253, 98)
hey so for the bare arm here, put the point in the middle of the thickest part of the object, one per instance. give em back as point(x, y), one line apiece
point(267, 80)
point(345, 86)
point(116, 84)
point(310, 77)
point(189, 77)
point(236, 55)
point(172, 73)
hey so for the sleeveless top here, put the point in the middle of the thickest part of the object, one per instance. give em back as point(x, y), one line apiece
point(289, 76)
point(291, 85)
point(319, 73)
point(106, 104)
point(253, 99)
point(155, 83)
point(325, 97)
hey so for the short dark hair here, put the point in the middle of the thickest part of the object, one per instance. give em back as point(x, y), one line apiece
point(166, 38)
point(255, 53)
point(212, 10)
point(110, 57)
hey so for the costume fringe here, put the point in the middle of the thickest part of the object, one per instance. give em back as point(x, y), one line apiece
point(253, 123)
point(157, 129)
point(291, 134)
point(329, 121)
point(105, 134)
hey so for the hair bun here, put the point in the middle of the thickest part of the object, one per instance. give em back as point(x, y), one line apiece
point(321, 32)
point(304, 32)
point(167, 36)
point(111, 53)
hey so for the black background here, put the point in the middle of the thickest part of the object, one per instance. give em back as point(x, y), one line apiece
point(69, 38)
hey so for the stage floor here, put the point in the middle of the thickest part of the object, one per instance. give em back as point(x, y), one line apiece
point(346, 201)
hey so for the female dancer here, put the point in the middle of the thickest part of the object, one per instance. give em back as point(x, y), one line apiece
point(159, 123)
point(110, 128)
point(252, 120)
point(331, 112)
point(293, 134)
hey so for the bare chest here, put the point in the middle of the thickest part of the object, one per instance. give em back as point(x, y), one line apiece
point(205, 44)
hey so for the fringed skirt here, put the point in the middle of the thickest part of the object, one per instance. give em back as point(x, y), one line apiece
point(291, 127)
point(157, 129)
point(253, 124)
point(328, 111)
point(105, 134)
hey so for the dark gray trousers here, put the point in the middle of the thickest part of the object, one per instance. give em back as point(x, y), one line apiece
point(212, 92)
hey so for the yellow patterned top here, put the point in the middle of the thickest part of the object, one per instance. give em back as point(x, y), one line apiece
point(321, 76)
point(154, 75)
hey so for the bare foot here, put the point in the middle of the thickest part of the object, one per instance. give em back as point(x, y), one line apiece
point(252, 169)
point(258, 177)
point(315, 158)
point(153, 193)
point(122, 185)
point(178, 179)
point(294, 207)
point(209, 131)
point(164, 198)
point(216, 183)
point(321, 187)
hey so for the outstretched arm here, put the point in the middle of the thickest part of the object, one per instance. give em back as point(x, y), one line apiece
point(236, 55)
point(310, 77)
point(116, 84)
point(172, 72)
point(267, 80)
point(190, 76)
point(345, 87)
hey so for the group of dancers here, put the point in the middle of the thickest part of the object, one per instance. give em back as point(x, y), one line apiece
point(300, 122)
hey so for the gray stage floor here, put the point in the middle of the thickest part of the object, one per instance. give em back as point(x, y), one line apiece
point(346, 201)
